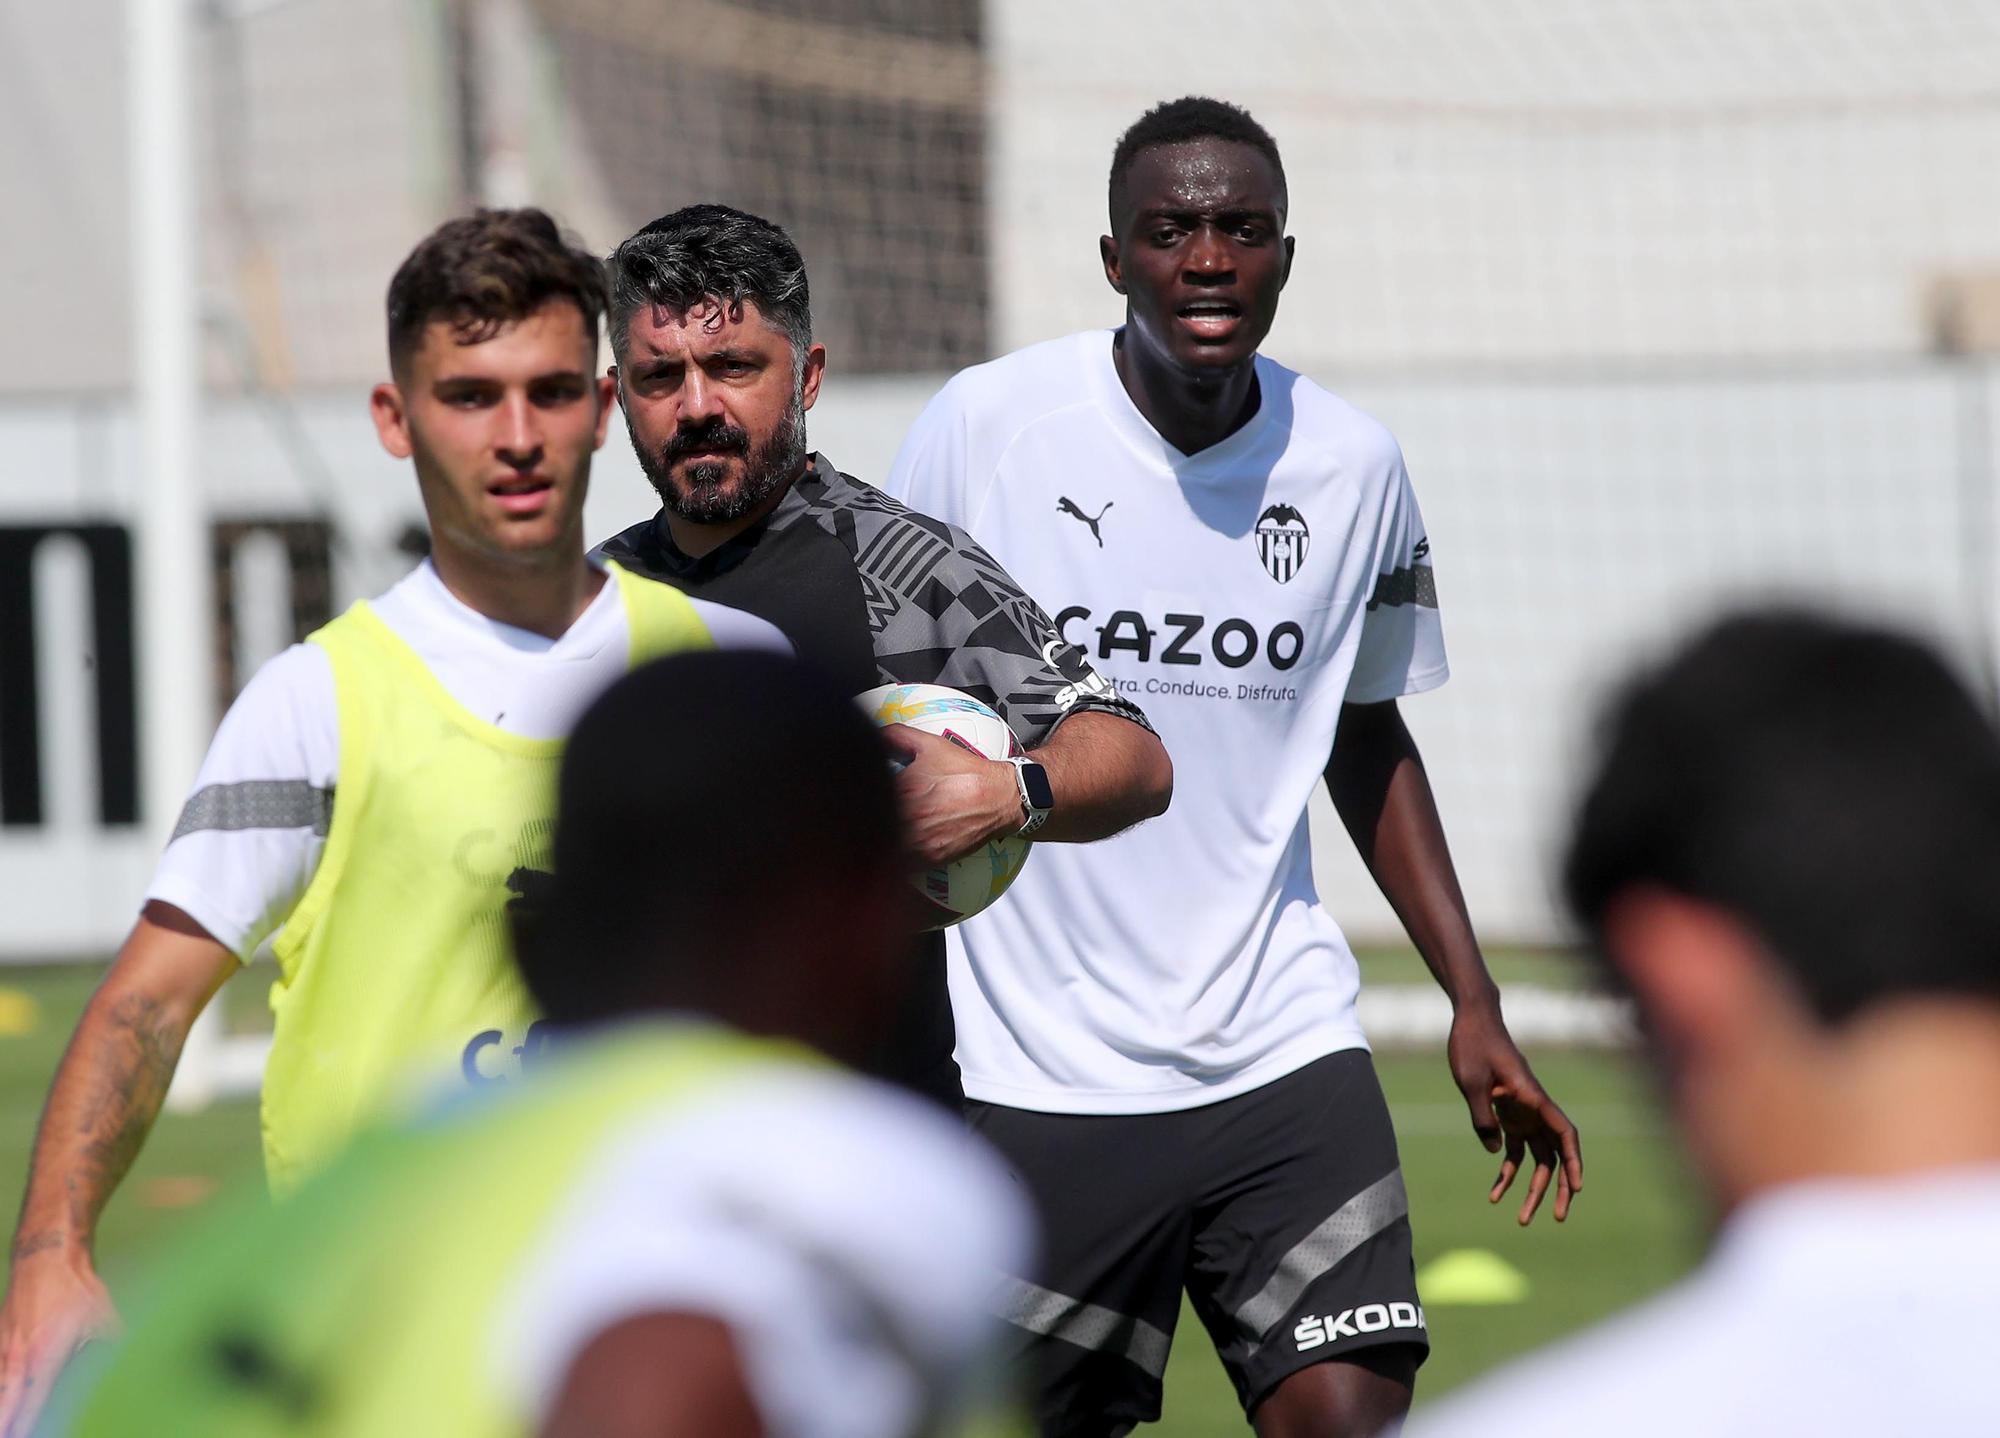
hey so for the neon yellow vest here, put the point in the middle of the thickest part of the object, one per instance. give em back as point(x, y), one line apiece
point(366, 1303)
point(396, 964)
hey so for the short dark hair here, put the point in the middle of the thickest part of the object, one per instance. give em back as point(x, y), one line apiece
point(713, 252)
point(486, 270)
point(697, 793)
point(1179, 122)
point(1832, 786)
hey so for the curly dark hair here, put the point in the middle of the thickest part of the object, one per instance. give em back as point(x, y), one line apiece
point(1179, 122)
point(484, 271)
point(713, 252)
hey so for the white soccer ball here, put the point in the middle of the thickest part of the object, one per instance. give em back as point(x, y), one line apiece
point(960, 889)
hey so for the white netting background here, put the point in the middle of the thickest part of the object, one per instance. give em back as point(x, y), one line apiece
point(1649, 289)
point(1488, 182)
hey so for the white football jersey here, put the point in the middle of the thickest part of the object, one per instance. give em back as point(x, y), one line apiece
point(1240, 596)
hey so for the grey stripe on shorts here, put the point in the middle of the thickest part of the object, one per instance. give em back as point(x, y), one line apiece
point(1344, 1230)
point(1087, 1325)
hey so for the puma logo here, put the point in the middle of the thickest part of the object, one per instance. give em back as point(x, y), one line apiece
point(1068, 506)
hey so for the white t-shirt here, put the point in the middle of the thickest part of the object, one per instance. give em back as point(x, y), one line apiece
point(256, 821)
point(850, 1237)
point(1828, 1308)
point(1240, 596)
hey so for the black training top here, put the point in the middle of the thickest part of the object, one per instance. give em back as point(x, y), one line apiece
point(875, 593)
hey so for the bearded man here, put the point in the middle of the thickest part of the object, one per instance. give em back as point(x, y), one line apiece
point(711, 330)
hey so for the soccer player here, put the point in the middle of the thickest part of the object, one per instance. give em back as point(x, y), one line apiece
point(1787, 856)
point(374, 795)
point(711, 327)
point(1159, 1031)
point(686, 1222)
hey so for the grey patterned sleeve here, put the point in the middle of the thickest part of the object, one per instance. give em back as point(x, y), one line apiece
point(945, 612)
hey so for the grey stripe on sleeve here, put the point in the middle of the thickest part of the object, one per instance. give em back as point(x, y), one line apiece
point(258, 804)
point(1087, 1325)
point(1346, 1229)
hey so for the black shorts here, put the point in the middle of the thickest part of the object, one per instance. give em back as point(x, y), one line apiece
point(1280, 1211)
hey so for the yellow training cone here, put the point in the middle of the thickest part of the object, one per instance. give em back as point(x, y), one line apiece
point(1471, 1276)
point(19, 1014)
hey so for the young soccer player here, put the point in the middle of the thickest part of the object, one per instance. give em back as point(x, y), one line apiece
point(685, 1222)
point(711, 327)
point(1159, 1031)
point(375, 795)
point(1787, 856)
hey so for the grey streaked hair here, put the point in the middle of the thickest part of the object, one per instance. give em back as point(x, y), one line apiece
point(712, 252)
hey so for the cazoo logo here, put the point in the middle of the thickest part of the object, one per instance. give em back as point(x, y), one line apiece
point(1188, 639)
point(1353, 1322)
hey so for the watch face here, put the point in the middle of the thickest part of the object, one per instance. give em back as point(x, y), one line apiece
point(1035, 779)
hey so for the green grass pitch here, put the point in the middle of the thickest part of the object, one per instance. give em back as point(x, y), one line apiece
point(1637, 1225)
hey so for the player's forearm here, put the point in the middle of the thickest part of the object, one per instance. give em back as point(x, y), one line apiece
point(107, 1093)
point(1107, 774)
point(1383, 796)
point(114, 1075)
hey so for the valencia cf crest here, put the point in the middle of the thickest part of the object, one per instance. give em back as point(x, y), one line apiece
point(1282, 537)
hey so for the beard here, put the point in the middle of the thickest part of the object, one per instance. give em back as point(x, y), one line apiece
point(701, 493)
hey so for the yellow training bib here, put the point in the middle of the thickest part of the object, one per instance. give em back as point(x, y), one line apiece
point(381, 1316)
point(396, 965)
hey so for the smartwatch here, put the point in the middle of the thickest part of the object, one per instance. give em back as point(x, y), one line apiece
point(1037, 798)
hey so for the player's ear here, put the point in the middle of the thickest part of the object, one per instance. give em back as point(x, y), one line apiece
point(1291, 250)
point(607, 389)
point(392, 421)
point(1694, 968)
point(1107, 251)
point(815, 371)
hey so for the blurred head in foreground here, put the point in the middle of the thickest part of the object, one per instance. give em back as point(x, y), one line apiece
point(614, 1244)
point(1790, 854)
point(727, 844)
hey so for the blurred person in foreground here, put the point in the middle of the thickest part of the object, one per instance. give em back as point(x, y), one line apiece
point(684, 1222)
point(1790, 856)
point(375, 793)
point(1160, 1030)
point(711, 327)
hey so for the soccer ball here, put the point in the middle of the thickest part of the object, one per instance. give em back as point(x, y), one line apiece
point(960, 889)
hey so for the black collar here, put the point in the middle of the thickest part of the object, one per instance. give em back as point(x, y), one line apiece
point(669, 558)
